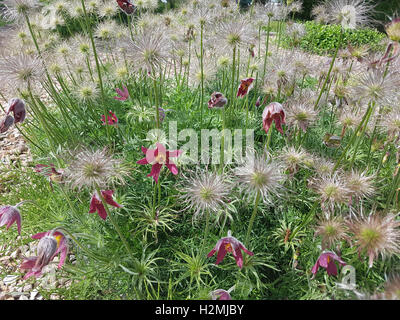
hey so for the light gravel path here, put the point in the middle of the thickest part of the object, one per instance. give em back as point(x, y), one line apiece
point(13, 150)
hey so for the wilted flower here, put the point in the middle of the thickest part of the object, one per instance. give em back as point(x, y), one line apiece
point(332, 230)
point(376, 234)
point(360, 185)
point(348, 13)
point(87, 91)
point(260, 174)
point(244, 87)
point(94, 169)
point(300, 115)
point(122, 94)
point(229, 244)
point(96, 205)
point(327, 261)
point(157, 158)
point(9, 215)
point(392, 288)
point(206, 191)
point(217, 100)
point(51, 172)
point(21, 71)
point(331, 189)
point(16, 9)
point(112, 119)
point(51, 243)
point(148, 50)
point(393, 29)
point(273, 112)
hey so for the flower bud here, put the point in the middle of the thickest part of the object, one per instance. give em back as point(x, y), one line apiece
point(6, 123)
point(46, 249)
point(17, 106)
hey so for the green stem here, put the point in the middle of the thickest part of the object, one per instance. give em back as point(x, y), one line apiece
point(253, 217)
point(330, 69)
point(125, 242)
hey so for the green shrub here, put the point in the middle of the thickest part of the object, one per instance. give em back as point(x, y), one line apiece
point(323, 39)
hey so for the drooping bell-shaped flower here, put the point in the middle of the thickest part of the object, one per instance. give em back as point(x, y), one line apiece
point(159, 157)
point(51, 243)
point(10, 215)
point(96, 205)
point(6, 123)
point(229, 244)
point(273, 112)
point(327, 261)
point(220, 294)
point(217, 100)
point(244, 87)
point(127, 6)
point(17, 107)
point(393, 29)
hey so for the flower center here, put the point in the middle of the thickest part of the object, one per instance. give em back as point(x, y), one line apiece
point(228, 247)
point(161, 158)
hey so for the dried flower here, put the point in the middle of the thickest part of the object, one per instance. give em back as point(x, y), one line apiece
point(393, 30)
point(94, 169)
point(229, 244)
point(331, 189)
point(332, 230)
point(360, 185)
point(300, 115)
point(206, 192)
point(260, 174)
point(376, 234)
point(348, 13)
point(17, 9)
point(21, 71)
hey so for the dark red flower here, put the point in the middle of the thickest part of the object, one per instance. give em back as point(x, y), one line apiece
point(230, 244)
point(127, 6)
point(97, 205)
point(217, 100)
point(273, 112)
point(112, 119)
point(17, 107)
point(327, 260)
point(6, 123)
point(244, 87)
